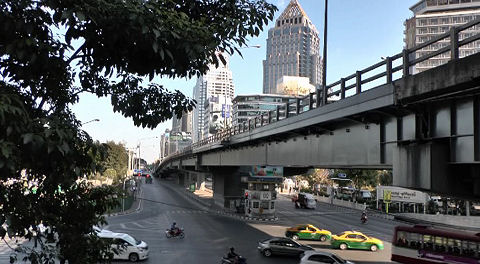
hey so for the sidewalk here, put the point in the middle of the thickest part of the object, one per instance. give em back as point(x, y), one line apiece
point(205, 199)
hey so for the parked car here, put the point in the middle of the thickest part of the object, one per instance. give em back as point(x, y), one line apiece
point(305, 200)
point(356, 240)
point(315, 257)
point(307, 231)
point(127, 247)
point(282, 246)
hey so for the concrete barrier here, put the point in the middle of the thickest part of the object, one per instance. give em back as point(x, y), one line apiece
point(338, 202)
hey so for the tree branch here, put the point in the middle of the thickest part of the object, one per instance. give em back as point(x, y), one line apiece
point(74, 55)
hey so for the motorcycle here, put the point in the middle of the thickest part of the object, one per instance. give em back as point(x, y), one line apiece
point(226, 260)
point(364, 219)
point(178, 233)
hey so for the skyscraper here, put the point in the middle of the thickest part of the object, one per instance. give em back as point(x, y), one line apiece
point(293, 49)
point(183, 124)
point(434, 17)
point(217, 81)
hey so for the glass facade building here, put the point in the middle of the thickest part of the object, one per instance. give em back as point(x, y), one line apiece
point(246, 107)
point(293, 49)
point(434, 17)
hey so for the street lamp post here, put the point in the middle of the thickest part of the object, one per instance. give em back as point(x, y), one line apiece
point(324, 62)
point(93, 120)
point(139, 149)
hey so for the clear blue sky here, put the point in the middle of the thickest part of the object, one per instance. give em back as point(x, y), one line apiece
point(359, 33)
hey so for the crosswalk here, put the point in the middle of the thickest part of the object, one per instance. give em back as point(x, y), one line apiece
point(165, 219)
point(312, 212)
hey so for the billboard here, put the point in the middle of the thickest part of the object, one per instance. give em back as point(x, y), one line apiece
point(398, 194)
point(266, 171)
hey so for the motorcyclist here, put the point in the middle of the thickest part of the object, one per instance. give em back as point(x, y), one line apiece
point(364, 216)
point(174, 228)
point(232, 256)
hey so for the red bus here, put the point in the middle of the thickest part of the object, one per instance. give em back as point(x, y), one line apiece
point(424, 244)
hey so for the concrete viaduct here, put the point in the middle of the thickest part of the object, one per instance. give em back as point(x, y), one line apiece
point(425, 126)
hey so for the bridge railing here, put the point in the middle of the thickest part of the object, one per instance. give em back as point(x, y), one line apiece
point(353, 84)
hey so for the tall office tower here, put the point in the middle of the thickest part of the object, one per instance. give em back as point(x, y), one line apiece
point(435, 17)
point(183, 124)
point(293, 49)
point(217, 81)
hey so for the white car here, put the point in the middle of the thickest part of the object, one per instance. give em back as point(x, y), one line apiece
point(316, 257)
point(128, 247)
point(99, 230)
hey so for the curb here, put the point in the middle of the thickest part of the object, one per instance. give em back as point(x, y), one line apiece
point(219, 212)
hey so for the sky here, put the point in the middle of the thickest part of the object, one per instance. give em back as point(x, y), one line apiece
point(360, 32)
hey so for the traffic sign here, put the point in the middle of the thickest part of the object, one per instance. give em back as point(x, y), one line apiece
point(387, 196)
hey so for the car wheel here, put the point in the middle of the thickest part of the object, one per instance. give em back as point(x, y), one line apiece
point(133, 257)
point(295, 237)
point(343, 246)
point(373, 248)
point(267, 252)
point(323, 238)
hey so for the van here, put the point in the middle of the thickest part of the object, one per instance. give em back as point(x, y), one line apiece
point(437, 200)
point(365, 194)
point(128, 247)
point(305, 200)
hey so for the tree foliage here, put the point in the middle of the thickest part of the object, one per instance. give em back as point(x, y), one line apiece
point(317, 176)
point(51, 51)
point(115, 164)
point(367, 178)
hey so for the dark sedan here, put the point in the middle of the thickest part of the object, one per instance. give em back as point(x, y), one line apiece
point(282, 246)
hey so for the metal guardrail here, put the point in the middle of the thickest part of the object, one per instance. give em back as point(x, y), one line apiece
point(340, 87)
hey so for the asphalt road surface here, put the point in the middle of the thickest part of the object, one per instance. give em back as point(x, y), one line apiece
point(209, 236)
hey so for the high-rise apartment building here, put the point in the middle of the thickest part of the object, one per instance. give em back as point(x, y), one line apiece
point(293, 49)
point(217, 81)
point(434, 17)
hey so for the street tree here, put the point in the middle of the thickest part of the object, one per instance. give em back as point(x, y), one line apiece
point(52, 51)
point(317, 176)
point(114, 166)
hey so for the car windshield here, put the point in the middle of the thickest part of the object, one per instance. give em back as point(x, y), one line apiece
point(338, 259)
point(131, 240)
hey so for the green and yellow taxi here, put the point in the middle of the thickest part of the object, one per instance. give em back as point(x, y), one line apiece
point(356, 240)
point(307, 231)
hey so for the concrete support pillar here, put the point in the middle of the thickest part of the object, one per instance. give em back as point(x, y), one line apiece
point(227, 185)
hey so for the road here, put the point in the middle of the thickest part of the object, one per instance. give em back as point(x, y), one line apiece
point(208, 235)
